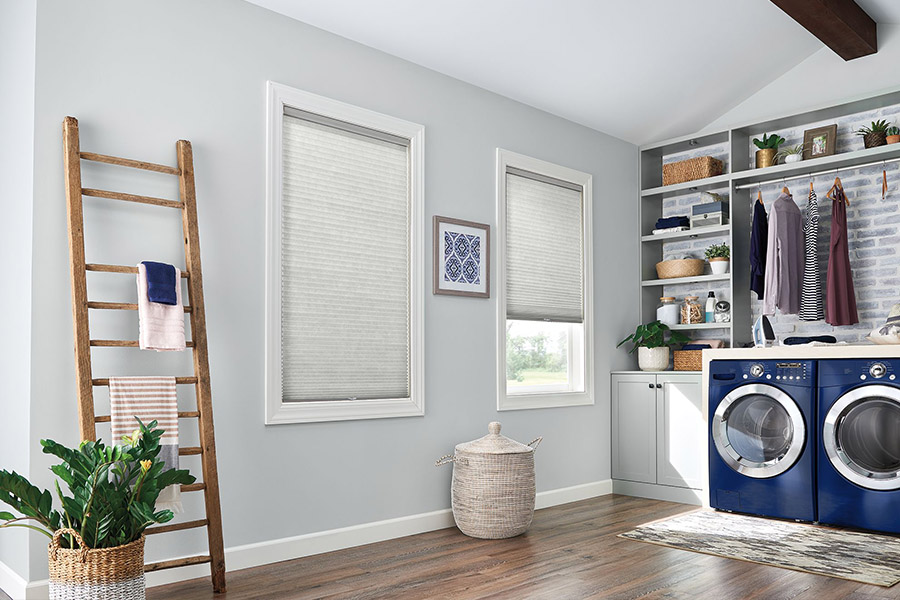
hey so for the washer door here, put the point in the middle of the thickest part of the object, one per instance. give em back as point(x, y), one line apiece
point(861, 435)
point(758, 431)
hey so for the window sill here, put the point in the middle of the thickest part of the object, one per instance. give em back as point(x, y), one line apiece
point(349, 410)
point(552, 400)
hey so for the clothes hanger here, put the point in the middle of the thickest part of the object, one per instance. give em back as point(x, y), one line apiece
point(883, 180)
point(759, 195)
point(785, 190)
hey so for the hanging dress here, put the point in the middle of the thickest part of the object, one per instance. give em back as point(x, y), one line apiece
point(811, 306)
point(840, 299)
point(784, 257)
point(759, 240)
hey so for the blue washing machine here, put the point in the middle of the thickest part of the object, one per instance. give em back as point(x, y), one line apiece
point(859, 453)
point(762, 441)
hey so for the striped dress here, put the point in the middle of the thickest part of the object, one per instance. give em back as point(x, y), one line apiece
point(811, 306)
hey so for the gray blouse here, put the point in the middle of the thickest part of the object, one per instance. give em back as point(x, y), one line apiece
point(784, 258)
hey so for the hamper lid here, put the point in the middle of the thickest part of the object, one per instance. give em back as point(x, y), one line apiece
point(493, 443)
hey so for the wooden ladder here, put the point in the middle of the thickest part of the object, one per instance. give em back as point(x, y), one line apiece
point(83, 342)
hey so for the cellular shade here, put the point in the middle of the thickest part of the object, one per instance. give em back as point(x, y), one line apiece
point(345, 264)
point(544, 249)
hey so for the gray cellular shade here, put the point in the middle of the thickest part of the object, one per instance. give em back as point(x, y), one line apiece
point(544, 250)
point(345, 265)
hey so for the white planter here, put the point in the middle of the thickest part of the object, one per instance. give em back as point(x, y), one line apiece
point(719, 266)
point(653, 359)
point(792, 158)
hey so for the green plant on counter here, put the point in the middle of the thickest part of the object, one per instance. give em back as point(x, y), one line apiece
point(892, 130)
point(769, 142)
point(113, 491)
point(798, 149)
point(653, 335)
point(718, 251)
point(875, 127)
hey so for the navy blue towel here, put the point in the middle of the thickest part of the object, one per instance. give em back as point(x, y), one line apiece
point(160, 282)
point(798, 340)
point(696, 347)
point(676, 221)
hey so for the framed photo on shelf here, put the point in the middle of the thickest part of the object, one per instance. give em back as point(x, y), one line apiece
point(819, 141)
point(462, 258)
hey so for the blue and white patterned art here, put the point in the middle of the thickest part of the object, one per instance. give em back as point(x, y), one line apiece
point(461, 258)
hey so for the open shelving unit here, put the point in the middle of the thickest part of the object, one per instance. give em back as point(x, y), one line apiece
point(738, 183)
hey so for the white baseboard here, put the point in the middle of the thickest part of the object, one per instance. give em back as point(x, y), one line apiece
point(658, 492)
point(272, 551)
point(11, 583)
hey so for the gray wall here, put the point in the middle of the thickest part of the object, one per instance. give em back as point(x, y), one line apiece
point(147, 75)
point(17, 40)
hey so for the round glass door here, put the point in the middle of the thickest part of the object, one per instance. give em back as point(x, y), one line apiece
point(758, 431)
point(861, 435)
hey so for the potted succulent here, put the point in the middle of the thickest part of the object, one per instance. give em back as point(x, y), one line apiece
point(97, 535)
point(875, 134)
point(653, 348)
point(791, 155)
point(893, 134)
point(718, 255)
point(768, 146)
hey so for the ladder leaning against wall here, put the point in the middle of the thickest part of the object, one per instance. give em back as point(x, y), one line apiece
point(195, 308)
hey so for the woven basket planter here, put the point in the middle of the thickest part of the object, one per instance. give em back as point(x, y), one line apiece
point(691, 169)
point(493, 489)
point(874, 139)
point(679, 267)
point(96, 574)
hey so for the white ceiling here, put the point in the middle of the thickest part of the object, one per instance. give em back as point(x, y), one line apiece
point(641, 70)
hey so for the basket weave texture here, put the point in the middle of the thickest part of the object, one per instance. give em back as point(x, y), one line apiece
point(679, 267)
point(493, 487)
point(689, 360)
point(98, 573)
point(691, 169)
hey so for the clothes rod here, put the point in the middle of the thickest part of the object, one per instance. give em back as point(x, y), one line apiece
point(812, 174)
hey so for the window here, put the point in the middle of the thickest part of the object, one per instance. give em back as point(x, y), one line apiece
point(544, 302)
point(344, 262)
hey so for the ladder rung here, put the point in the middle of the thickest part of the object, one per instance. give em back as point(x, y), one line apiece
point(127, 162)
point(191, 414)
point(193, 487)
point(116, 269)
point(131, 198)
point(178, 380)
point(177, 527)
point(124, 343)
point(121, 306)
point(189, 450)
point(178, 562)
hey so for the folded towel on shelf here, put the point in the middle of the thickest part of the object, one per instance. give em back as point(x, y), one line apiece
point(162, 281)
point(676, 221)
point(149, 399)
point(669, 230)
point(161, 325)
point(800, 340)
point(696, 347)
point(710, 343)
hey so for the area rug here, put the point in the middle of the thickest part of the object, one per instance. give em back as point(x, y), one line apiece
point(862, 557)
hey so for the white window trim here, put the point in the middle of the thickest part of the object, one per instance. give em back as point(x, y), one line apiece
point(521, 401)
point(276, 412)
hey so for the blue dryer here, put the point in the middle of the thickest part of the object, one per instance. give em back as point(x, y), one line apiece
point(859, 453)
point(762, 446)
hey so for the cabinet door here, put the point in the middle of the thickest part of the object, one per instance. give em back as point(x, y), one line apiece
point(681, 446)
point(634, 427)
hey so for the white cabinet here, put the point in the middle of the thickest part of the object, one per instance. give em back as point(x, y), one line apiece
point(658, 429)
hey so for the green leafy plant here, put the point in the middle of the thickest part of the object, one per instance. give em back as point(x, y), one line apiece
point(112, 490)
point(653, 335)
point(718, 251)
point(892, 130)
point(769, 142)
point(798, 149)
point(875, 127)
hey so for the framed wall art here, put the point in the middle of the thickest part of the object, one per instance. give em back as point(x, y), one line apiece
point(462, 258)
point(819, 141)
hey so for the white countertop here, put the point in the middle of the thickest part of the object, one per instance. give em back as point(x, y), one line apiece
point(799, 352)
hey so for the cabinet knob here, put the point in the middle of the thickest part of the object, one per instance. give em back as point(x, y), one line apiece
point(659, 386)
point(651, 386)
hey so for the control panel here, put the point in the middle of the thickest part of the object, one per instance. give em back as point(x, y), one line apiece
point(779, 371)
point(878, 370)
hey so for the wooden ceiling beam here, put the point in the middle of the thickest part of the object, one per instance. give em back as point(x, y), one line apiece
point(840, 24)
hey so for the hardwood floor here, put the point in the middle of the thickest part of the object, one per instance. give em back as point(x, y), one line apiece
point(570, 552)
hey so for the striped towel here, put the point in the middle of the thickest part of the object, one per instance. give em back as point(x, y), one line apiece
point(150, 399)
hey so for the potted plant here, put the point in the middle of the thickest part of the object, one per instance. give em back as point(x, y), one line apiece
point(97, 535)
point(893, 134)
point(790, 155)
point(718, 256)
point(768, 146)
point(653, 349)
point(875, 134)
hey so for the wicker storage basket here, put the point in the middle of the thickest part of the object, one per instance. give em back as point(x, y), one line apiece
point(691, 169)
point(689, 360)
point(96, 574)
point(492, 493)
point(679, 267)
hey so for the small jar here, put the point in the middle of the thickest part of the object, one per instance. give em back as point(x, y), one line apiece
point(667, 310)
point(691, 311)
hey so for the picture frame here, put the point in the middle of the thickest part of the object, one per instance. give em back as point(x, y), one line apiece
point(462, 258)
point(819, 142)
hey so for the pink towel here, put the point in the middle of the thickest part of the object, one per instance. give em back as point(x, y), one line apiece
point(161, 325)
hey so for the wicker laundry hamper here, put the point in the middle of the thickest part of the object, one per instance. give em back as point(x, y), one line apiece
point(492, 493)
point(96, 573)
